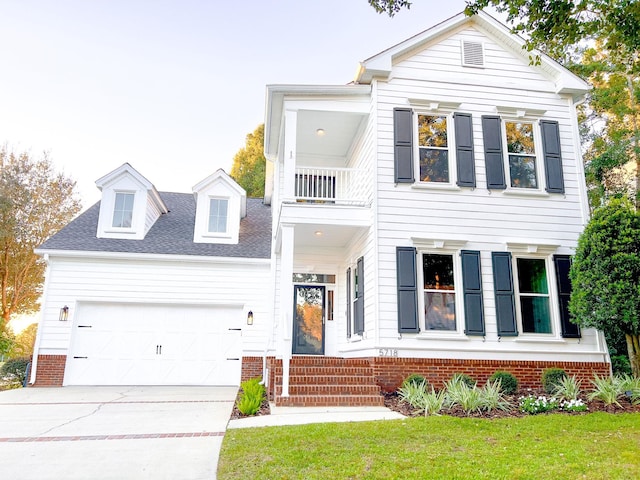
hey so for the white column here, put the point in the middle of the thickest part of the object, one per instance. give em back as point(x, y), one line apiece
point(289, 157)
point(286, 301)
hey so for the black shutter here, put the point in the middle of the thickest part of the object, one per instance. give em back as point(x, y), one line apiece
point(503, 286)
point(465, 160)
point(493, 153)
point(472, 291)
point(358, 325)
point(348, 303)
point(562, 265)
point(552, 157)
point(407, 290)
point(403, 145)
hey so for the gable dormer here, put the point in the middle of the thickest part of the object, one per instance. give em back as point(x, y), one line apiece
point(220, 204)
point(130, 204)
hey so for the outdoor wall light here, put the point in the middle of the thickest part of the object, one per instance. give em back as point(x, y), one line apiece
point(320, 132)
point(250, 318)
point(64, 314)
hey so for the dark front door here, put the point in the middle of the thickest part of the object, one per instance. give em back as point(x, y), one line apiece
point(308, 323)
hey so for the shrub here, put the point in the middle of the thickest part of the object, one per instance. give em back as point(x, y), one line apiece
point(508, 382)
point(630, 387)
point(620, 365)
point(251, 397)
point(416, 379)
point(15, 370)
point(464, 378)
point(534, 405)
point(606, 389)
point(551, 377)
point(470, 399)
point(492, 394)
point(416, 395)
point(568, 388)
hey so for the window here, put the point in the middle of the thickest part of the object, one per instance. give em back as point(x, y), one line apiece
point(522, 155)
point(218, 215)
point(433, 148)
point(439, 292)
point(123, 210)
point(533, 294)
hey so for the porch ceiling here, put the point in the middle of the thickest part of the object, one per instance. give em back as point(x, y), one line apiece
point(340, 131)
point(329, 236)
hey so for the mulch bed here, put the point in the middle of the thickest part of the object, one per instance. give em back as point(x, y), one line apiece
point(392, 401)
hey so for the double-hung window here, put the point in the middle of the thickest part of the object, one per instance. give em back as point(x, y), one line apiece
point(439, 292)
point(123, 210)
point(218, 209)
point(533, 295)
point(521, 153)
point(433, 148)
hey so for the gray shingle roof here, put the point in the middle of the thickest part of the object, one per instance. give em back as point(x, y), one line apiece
point(172, 234)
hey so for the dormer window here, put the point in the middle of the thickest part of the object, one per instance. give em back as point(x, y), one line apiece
point(123, 210)
point(218, 213)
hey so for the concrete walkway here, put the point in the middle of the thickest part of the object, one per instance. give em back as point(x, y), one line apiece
point(306, 415)
point(117, 433)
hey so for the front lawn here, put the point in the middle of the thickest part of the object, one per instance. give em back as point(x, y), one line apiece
point(593, 446)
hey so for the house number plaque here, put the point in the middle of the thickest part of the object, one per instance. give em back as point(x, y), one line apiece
point(388, 352)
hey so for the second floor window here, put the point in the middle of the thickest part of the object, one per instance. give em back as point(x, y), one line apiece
point(123, 210)
point(433, 148)
point(218, 208)
point(522, 155)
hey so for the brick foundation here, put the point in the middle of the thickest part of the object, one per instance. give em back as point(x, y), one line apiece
point(50, 371)
point(251, 368)
point(388, 373)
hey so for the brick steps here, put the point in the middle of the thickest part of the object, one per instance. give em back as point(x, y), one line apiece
point(327, 381)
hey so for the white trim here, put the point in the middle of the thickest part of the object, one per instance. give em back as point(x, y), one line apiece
point(434, 111)
point(151, 257)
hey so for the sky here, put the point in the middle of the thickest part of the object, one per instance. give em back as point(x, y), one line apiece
point(172, 86)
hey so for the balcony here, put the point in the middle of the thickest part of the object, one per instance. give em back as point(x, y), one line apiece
point(338, 186)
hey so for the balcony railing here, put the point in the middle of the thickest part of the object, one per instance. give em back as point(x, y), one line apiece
point(330, 185)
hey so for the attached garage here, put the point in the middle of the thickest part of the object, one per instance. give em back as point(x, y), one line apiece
point(155, 344)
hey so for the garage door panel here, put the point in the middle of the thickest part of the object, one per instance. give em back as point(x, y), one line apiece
point(123, 344)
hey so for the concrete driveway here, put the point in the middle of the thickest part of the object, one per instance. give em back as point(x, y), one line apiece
point(113, 432)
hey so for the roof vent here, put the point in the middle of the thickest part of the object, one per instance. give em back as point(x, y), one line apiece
point(472, 54)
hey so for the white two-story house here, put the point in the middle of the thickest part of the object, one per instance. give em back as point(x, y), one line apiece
point(420, 219)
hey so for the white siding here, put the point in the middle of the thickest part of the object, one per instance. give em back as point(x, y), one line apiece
point(155, 282)
point(485, 219)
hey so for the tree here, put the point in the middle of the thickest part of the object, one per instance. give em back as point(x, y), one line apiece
point(35, 202)
point(605, 275)
point(249, 164)
point(390, 7)
point(24, 342)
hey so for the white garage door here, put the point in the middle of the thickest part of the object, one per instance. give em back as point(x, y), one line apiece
point(131, 344)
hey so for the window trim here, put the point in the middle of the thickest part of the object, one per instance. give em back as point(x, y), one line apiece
point(538, 155)
point(115, 228)
point(451, 148)
point(551, 296)
point(457, 290)
point(226, 232)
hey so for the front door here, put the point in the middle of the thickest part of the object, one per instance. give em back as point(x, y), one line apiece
point(308, 324)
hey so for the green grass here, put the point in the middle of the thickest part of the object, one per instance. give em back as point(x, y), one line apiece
point(594, 446)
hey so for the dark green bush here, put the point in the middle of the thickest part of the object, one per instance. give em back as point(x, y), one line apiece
point(251, 396)
point(620, 365)
point(464, 378)
point(508, 382)
point(15, 367)
point(551, 378)
point(415, 379)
